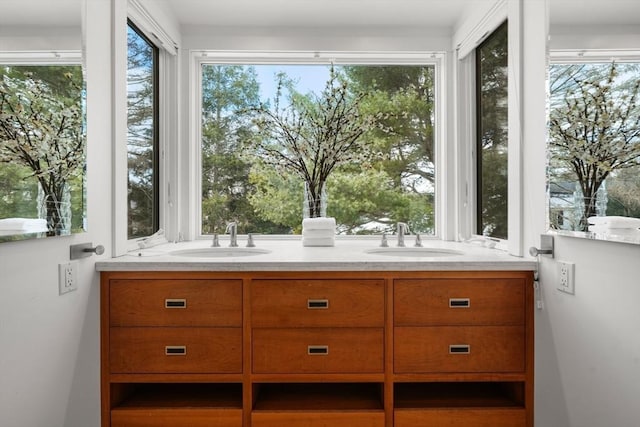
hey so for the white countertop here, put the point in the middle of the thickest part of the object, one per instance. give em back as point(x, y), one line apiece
point(348, 254)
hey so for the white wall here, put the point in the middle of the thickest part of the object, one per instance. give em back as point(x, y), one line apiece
point(49, 344)
point(587, 344)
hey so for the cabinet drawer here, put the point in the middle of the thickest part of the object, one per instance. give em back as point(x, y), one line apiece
point(467, 417)
point(317, 303)
point(318, 350)
point(176, 302)
point(176, 417)
point(176, 350)
point(458, 302)
point(318, 419)
point(459, 349)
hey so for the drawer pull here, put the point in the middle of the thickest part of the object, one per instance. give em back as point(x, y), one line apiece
point(318, 350)
point(175, 350)
point(459, 302)
point(175, 303)
point(459, 349)
point(317, 304)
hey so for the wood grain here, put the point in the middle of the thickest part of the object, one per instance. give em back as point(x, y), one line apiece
point(284, 303)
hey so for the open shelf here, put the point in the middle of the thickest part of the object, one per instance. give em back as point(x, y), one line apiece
point(319, 397)
point(459, 395)
point(150, 396)
point(318, 405)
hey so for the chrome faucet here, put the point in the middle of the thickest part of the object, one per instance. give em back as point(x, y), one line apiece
point(232, 229)
point(402, 229)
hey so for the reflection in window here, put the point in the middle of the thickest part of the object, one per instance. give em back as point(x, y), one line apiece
point(594, 143)
point(142, 138)
point(42, 148)
point(390, 179)
point(492, 134)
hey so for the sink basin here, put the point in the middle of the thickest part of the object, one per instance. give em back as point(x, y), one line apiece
point(414, 252)
point(219, 252)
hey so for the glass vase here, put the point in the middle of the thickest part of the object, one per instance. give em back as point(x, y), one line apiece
point(314, 203)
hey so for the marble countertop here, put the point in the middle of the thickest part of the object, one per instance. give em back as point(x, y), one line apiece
point(348, 254)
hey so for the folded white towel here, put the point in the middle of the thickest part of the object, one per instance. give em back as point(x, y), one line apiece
point(615, 221)
point(614, 231)
point(318, 241)
point(321, 223)
point(32, 225)
point(330, 232)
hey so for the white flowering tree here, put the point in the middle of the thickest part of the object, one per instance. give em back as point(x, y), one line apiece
point(595, 130)
point(313, 134)
point(43, 131)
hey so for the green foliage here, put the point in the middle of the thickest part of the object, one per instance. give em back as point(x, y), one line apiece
point(141, 125)
point(492, 84)
point(226, 184)
point(387, 176)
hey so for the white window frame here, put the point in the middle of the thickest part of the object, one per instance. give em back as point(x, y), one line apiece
point(201, 57)
point(502, 10)
point(168, 128)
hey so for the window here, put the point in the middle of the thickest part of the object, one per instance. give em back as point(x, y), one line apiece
point(389, 172)
point(42, 147)
point(594, 142)
point(492, 135)
point(142, 135)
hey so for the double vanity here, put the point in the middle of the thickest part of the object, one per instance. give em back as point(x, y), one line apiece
point(285, 335)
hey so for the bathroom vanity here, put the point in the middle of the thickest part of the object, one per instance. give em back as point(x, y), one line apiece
point(247, 342)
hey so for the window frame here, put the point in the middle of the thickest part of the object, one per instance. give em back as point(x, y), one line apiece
point(478, 136)
point(465, 41)
point(169, 126)
point(201, 57)
point(155, 221)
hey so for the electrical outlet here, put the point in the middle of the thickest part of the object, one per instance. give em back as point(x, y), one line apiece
point(67, 277)
point(566, 277)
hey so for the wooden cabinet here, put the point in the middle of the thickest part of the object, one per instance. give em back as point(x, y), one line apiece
point(307, 349)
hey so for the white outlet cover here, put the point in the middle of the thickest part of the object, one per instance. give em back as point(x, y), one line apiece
point(566, 277)
point(67, 277)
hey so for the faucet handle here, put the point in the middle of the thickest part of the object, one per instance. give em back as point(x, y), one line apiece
point(216, 241)
point(383, 242)
point(250, 243)
point(418, 243)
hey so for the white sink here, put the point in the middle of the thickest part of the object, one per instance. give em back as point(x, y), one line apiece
point(414, 252)
point(219, 252)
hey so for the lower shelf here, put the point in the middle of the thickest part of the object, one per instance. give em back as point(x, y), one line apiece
point(318, 405)
point(179, 405)
point(467, 417)
point(469, 404)
point(459, 395)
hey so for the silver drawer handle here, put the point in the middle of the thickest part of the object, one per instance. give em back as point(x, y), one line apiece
point(317, 304)
point(175, 350)
point(175, 303)
point(459, 349)
point(317, 350)
point(459, 302)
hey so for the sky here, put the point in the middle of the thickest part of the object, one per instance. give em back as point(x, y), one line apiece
point(309, 78)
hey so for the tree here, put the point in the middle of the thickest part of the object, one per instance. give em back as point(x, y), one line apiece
point(227, 92)
point(595, 129)
point(314, 134)
point(41, 128)
point(140, 135)
point(493, 141)
point(402, 97)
